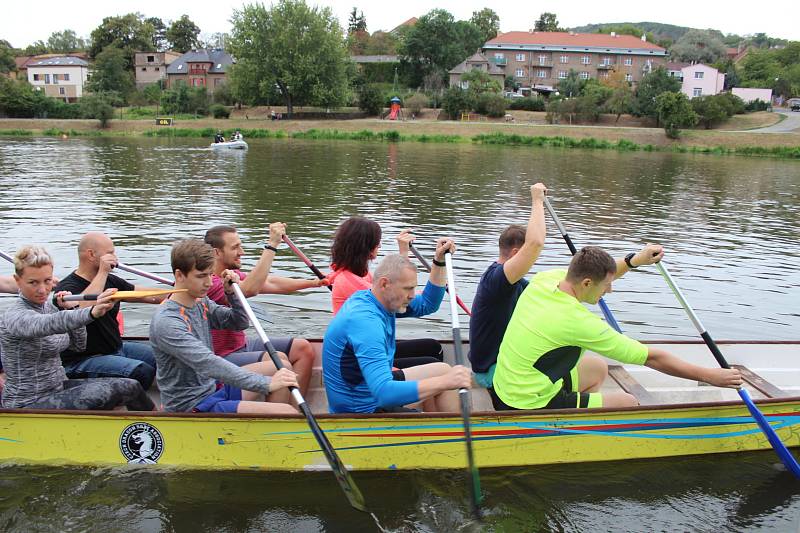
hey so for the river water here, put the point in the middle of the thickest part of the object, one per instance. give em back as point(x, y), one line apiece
point(729, 225)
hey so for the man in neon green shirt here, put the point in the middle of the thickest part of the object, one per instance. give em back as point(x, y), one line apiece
point(541, 363)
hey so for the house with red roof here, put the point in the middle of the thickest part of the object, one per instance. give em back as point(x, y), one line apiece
point(538, 60)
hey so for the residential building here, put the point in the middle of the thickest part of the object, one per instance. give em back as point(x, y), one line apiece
point(151, 67)
point(23, 61)
point(59, 77)
point(538, 60)
point(200, 68)
point(675, 69)
point(477, 61)
point(701, 80)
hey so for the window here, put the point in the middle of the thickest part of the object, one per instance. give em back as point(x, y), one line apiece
point(564, 59)
point(603, 74)
point(628, 77)
point(62, 91)
point(520, 73)
point(698, 75)
point(218, 82)
point(157, 69)
point(47, 78)
point(586, 60)
point(151, 59)
point(543, 60)
point(606, 61)
point(520, 57)
point(55, 79)
point(562, 74)
point(628, 61)
point(697, 91)
point(66, 77)
point(499, 55)
point(180, 67)
point(541, 74)
point(198, 82)
point(35, 77)
point(144, 69)
point(584, 75)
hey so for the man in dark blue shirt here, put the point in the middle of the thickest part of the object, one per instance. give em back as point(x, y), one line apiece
point(500, 288)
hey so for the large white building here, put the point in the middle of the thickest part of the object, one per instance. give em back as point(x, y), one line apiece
point(701, 80)
point(59, 77)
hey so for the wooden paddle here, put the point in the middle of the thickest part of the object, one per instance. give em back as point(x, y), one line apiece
point(305, 259)
point(427, 266)
point(602, 303)
point(343, 477)
point(786, 457)
point(122, 295)
point(463, 394)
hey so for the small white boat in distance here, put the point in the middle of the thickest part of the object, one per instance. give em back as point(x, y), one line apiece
point(238, 144)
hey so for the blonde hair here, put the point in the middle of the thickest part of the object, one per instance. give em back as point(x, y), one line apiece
point(31, 256)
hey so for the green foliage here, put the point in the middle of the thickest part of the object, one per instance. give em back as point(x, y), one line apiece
point(757, 105)
point(131, 33)
point(627, 29)
point(436, 44)
point(223, 95)
point(110, 73)
point(455, 102)
point(529, 103)
point(732, 103)
point(572, 85)
point(709, 110)
point(596, 92)
point(18, 99)
point(572, 110)
point(65, 42)
point(98, 106)
point(416, 103)
point(674, 112)
point(183, 34)
point(371, 99)
point(621, 99)
point(356, 22)
point(480, 82)
point(219, 111)
point(698, 46)
point(510, 83)
point(152, 93)
point(299, 48)
point(183, 99)
point(547, 22)
point(159, 33)
point(35, 49)
point(653, 84)
point(7, 63)
point(777, 69)
point(491, 104)
point(487, 22)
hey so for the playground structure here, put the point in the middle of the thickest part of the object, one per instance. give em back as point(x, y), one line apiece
point(395, 109)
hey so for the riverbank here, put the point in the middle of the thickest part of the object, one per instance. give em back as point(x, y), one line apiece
point(517, 133)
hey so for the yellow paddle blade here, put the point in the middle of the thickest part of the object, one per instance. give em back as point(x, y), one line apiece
point(124, 295)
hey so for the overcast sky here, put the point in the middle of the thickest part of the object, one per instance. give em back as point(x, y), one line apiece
point(23, 23)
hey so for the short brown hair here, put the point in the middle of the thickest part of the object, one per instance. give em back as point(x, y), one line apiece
point(191, 254)
point(591, 262)
point(215, 236)
point(512, 237)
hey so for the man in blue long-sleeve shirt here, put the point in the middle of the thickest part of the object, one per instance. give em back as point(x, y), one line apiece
point(359, 345)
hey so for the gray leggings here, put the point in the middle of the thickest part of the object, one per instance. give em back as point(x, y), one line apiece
point(97, 394)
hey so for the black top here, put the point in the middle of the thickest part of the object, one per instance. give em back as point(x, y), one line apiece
point(103, 333)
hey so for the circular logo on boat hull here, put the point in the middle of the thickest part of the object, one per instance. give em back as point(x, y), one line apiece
point(141, 443)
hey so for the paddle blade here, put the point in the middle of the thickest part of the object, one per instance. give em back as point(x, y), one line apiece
point(123, 295)
point(780, 448)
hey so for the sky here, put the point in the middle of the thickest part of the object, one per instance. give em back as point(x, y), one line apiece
point(21, 24)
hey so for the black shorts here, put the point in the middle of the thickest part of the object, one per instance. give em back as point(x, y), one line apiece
point(397, 375)
point(562, 400)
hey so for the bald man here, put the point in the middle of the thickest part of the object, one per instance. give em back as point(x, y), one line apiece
point(105, 355)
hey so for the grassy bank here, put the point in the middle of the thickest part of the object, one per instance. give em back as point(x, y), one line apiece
point(782, 145)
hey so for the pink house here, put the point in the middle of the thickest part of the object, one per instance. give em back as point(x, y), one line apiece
point(701, 80)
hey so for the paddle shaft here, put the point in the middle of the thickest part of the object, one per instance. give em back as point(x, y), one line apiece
point(144, 274)
point(6, 256)
point(427, 266)
point(463, 394)
point(786, 457)
point(304, 259)
point(346, 482)
point(602, 303)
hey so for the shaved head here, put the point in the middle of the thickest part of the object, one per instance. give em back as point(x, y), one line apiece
point(93, 240)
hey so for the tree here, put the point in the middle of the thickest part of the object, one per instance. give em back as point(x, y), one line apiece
point(698, 46)
point(381, 43)
point(547, 22)
point(510, 83)
point(356, 22)
point(572, 85)
point(65, 42)
point(130, 33)
point(480, 82)
point(709, 111)
point(159, 33)
point(621, 100)
point(182, 35)
point(487, 22)
point(296, 47)
point(674, 112)
point(653, 84)
point(7, 63)
point(455, 102)
point(371, 99)
point(35, 49)
point(98, 106)
point(110, 73)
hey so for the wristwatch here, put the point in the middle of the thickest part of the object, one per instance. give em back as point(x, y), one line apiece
point(270, 247)
point(629, 259)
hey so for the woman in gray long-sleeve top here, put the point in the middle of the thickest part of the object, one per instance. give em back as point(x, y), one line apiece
point(33, 333)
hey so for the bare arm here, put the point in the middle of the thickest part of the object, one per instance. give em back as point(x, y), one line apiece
point(456, 378)
point(8, 285)
point(650, 254)
point(257, 278)
point(519, 265)
point(98, 284)
point(280, 285)
point(667, 363)
point(438, 274)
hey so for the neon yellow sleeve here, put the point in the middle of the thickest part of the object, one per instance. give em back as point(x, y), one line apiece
point(593, 334)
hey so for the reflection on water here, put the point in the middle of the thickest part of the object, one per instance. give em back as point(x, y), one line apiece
point(730, 226)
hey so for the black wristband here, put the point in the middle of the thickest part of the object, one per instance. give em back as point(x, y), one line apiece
point(629, 260)
point(270, 247)
point(439, 263)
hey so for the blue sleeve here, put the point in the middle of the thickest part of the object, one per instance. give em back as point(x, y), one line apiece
point(370, 351)
point(426, 303)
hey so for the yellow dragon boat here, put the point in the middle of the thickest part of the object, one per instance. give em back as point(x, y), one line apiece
point(676, 418)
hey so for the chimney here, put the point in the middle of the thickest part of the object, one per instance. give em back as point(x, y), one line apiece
point(644, 38)
point(613, 34)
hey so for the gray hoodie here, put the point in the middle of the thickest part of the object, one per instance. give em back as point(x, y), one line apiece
point(187, 368)
point(32, 338)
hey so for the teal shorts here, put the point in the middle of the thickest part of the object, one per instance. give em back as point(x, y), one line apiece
point(485, 379)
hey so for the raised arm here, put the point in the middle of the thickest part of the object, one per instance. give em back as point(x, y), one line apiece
point(649, 255)
point(517, 266)
point(8, 285)
point(256, 279)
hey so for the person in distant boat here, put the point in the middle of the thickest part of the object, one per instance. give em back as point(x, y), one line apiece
point(105, 354)
point(357, 242)
point(500, 287)
point(218, 138)
point(237, 136)
point(234, 345)
point(190, 376)
point(33, 332)
point(541, 364)
point(359, 345)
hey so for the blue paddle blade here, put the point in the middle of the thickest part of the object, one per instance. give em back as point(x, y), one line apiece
point(783, 452)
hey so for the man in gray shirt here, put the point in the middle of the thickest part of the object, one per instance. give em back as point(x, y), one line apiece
point(188, 371)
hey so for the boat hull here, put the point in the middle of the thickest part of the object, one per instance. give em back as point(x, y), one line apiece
point(230, 145)
point(373, 442)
